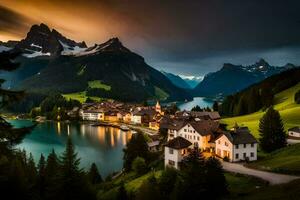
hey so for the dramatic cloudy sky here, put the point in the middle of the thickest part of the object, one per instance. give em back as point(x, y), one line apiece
point(184, 37)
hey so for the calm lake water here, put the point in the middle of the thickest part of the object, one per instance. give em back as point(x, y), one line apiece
point(102, 145)
point(200, 101)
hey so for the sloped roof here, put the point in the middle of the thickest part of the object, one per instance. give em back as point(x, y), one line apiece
point(295, 129)
point(241, 135)
point(178, 143)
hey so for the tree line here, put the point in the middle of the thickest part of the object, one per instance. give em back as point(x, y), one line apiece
point(260, 95)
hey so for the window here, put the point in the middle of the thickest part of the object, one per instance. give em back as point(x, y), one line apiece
point(226, 144)
point(171, 162)
point(171, 151)
point(291, 133)
point(252, 145)
point(252, 154)
point(236, 156)
point(185, 136)
point(219, 142)
point(194, 131)
point(194, 137)
point(244, 155)
point(188, 125)
point(198, 138)
point(236, 146)
point(245, 145)
point(184, 130)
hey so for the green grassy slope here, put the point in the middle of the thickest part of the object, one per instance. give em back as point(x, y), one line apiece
point(286, 160)
point(284, 103)
point(98, 84)
point(289, 191)
point(80, 96)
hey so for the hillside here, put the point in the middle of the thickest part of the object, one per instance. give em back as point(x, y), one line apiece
point(54, 63)
point(233, 78)
point(283, 102)
point(286, 160)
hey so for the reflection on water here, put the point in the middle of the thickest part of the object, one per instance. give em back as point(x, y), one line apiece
point(200, 101)
point(102, 145)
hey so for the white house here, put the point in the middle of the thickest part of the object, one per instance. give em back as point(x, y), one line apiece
point(237, 145)
point(294, 132)
point(175, 150)
point(92, 115)
point(199, 133)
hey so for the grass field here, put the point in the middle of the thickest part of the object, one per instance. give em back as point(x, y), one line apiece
point(131, 183)
point(284, 103)
point(80, 96)
point(98, 84)
point(286, 160)
point(240, 185)
point(288, 191)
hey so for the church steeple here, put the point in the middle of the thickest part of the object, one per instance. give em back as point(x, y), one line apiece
point(158, 107)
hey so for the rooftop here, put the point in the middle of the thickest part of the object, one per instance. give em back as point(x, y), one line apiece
point(178, 143)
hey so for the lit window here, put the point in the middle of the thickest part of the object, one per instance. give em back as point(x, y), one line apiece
point(171, 162)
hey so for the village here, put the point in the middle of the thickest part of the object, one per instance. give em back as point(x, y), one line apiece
point(183, 130)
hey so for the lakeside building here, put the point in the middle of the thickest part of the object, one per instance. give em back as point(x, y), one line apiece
point(92, 115)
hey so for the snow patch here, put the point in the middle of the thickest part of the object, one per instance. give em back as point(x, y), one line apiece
point(71, 50)
point(37, 46)
point(36, 54)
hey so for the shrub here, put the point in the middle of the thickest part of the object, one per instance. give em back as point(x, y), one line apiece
point(139, 165)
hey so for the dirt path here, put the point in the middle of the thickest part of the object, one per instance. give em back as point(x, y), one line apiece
point(272, 178)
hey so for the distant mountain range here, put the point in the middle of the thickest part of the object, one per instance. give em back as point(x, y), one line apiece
point(177, 80)
point(51, 62)
point(181, 81)
point(233, 78)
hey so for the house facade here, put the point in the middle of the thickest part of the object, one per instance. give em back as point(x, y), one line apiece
point(92, 115)
point(237, 145)
point(175, 151)
point(199, 133)
point(294, 133)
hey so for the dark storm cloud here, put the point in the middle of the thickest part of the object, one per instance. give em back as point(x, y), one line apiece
point(13, 22)
point(190, 36)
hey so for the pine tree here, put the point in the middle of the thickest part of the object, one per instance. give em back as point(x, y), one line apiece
point(215, 179)
point(94, 175)
point(72, 180)
point(52, 169)
point(272, 134)
point(31, 170)
point(192, 176)
point(41, 179)
point(216, 106)
point(136, 147)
